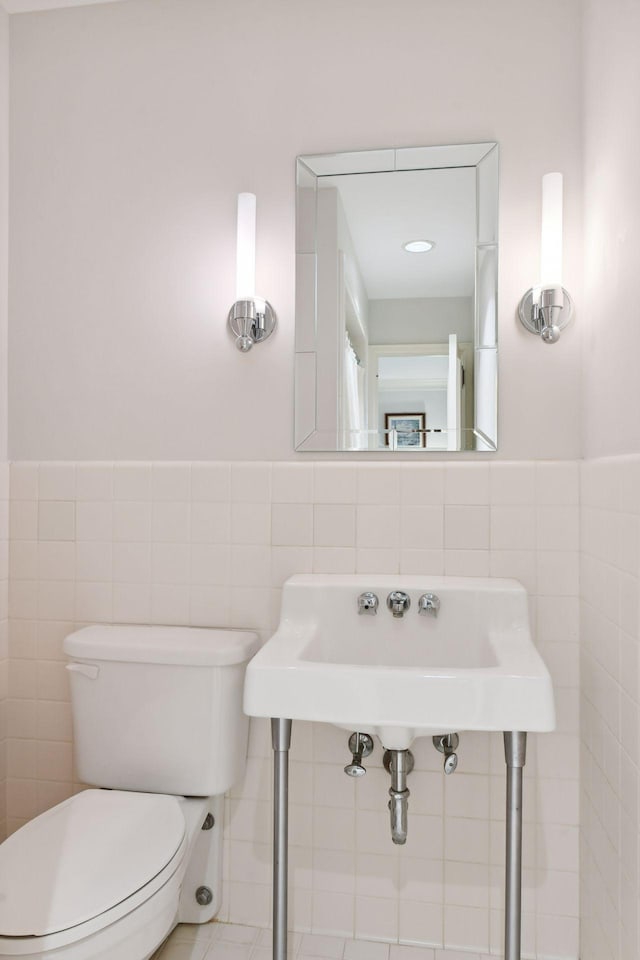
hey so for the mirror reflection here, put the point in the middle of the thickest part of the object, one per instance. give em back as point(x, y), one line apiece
point(396, 297)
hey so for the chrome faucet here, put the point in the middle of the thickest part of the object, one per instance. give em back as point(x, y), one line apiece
point(398, 602)
point(429, 603)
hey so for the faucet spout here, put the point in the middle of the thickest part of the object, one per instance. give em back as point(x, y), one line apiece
point(398, 602)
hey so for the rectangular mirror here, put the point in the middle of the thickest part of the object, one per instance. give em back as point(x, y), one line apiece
point(396, 300)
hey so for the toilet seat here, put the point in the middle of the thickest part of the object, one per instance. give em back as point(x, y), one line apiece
point(83, 865)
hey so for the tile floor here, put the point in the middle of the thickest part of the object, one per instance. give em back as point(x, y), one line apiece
point(227, 941)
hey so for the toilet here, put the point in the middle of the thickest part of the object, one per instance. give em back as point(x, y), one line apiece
point(159, 730)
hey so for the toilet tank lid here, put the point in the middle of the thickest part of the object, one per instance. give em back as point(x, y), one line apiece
point(189, 646)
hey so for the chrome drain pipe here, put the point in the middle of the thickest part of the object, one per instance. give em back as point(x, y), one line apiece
point(399, 763)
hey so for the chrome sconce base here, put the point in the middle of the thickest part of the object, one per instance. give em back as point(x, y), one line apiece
point(251, 321)
point(546, 311)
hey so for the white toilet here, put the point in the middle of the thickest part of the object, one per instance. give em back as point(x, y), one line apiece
point(158, 721)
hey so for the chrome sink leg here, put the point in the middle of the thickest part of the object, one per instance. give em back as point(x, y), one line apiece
point(515, 752)
point(281, 742)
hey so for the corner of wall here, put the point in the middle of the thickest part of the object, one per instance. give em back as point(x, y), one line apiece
point(4, 503)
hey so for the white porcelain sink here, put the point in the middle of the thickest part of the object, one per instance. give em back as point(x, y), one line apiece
point(471, 667)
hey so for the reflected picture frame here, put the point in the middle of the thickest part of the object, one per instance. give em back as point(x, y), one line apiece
point(410, 429)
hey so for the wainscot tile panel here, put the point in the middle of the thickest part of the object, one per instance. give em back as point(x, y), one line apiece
point(4, 640)
point(610, 709)
point(212, 544)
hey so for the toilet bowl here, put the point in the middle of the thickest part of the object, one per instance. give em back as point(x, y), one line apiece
point(109, 872)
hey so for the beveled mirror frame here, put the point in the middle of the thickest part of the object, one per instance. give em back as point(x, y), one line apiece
point(316, 423)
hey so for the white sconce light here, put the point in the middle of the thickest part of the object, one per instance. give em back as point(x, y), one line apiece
point(547, 308)
point(251, 318)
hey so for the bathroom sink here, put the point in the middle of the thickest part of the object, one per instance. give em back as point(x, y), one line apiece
point(469, 665)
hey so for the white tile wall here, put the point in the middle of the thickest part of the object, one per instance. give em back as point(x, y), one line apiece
point(610, 709)
point(4, 639)
point(211, 544)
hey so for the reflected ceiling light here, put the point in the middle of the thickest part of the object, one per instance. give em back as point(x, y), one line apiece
point(418, 246)
point(547, 308)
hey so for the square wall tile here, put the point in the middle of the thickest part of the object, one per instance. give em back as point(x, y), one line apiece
point(94, 481)
point(171, 481)
point(466, 528)
point(211, 563)
point(94, 520)
point(512, 484)
point(131, 562)
point(557, 483)
point(211, 482)
point(132, 521)
point(94, 560)
point(23, 481)
point(56, 520)
point(421, 527)
point(132, 481)
point(250, 483)
point(56, 560)
point(170, 521)
point(466, 483)
point(292, 524)
point(420, 923)
point(170, 563)
point(292, 483)
point(210, 522)
point(334, 483)
point(422, 484)
point(378, 527)
point(513, 528)
point(378, 483)
point(251, 523)
point(334, 525)
point(56, 481)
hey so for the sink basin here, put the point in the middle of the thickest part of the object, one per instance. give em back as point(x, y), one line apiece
point(471, 667)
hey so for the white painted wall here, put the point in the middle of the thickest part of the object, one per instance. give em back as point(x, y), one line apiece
point(4, 221)
point(430, 319)
point(611, 317)
point(134, 126)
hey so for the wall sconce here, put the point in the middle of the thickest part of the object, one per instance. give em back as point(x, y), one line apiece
point(251, 318)
point(547, 309)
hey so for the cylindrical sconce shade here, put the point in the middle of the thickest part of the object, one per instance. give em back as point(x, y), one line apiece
point(551, 237)
point(246, 249)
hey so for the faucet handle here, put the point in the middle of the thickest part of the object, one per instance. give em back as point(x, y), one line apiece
point(360, 745)
point(429, 603)
point(368, 603)
point(448, 744)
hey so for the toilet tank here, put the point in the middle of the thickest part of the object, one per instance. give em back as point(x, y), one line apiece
point(159, 709)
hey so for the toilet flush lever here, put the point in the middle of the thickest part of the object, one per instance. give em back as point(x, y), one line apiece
point(89, 670)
